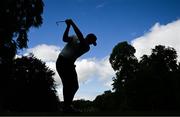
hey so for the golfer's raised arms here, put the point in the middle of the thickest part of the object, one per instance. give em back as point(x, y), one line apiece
point(77, 31)
point(69, 23)
point(66, 32)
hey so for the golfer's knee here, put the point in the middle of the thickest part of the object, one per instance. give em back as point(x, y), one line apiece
point(73, 88)
point(76, 87)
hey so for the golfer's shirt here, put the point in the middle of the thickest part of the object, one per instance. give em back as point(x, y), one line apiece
point(74, 49)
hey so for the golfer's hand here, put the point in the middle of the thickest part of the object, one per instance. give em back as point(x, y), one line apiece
point(68, 21)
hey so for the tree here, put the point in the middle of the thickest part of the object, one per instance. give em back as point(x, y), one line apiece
point(84, 106)
point(125, 64)
point(32, 87)
point(16, 18)
point(156, 80)
point(150, 84)
point(108, 101)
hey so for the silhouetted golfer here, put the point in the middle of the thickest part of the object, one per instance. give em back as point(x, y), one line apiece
point(75, 47)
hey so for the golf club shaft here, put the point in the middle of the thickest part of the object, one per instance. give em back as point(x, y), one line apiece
point(59, 22)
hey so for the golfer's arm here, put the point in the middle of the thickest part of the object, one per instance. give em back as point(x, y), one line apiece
point(66, 32)
point(78, 32)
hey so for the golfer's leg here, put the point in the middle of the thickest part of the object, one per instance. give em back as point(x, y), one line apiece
point(63, 73)
point(70, 87)
point(74, 84)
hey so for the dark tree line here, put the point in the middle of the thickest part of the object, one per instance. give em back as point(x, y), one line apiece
point(31, 87)
point(150, 84)
point(26, 84)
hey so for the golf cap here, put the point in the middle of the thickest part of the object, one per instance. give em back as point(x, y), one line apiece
point(93, 38)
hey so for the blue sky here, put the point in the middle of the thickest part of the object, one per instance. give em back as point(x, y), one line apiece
point(112, 21)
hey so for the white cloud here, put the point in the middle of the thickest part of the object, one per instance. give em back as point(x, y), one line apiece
point(104, 69)
point(87, 96)
point(45, 52)
point(109, 84)
point(168, 35)
point(92, 67)
point(100, 5)
point(87, 69)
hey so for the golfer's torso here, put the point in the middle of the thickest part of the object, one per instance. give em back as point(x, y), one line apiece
point(74, 49)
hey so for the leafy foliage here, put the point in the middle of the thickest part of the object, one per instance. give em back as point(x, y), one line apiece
point(16, 17)
point(150, 84)
point(108, 101)
point(124, 63)
point(84, 106)
point(158, 80)
point(31, 87)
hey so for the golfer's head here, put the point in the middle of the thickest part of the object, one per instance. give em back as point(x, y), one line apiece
point(91, 39)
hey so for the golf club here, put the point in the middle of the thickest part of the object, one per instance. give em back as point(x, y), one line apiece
point(57, 23)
